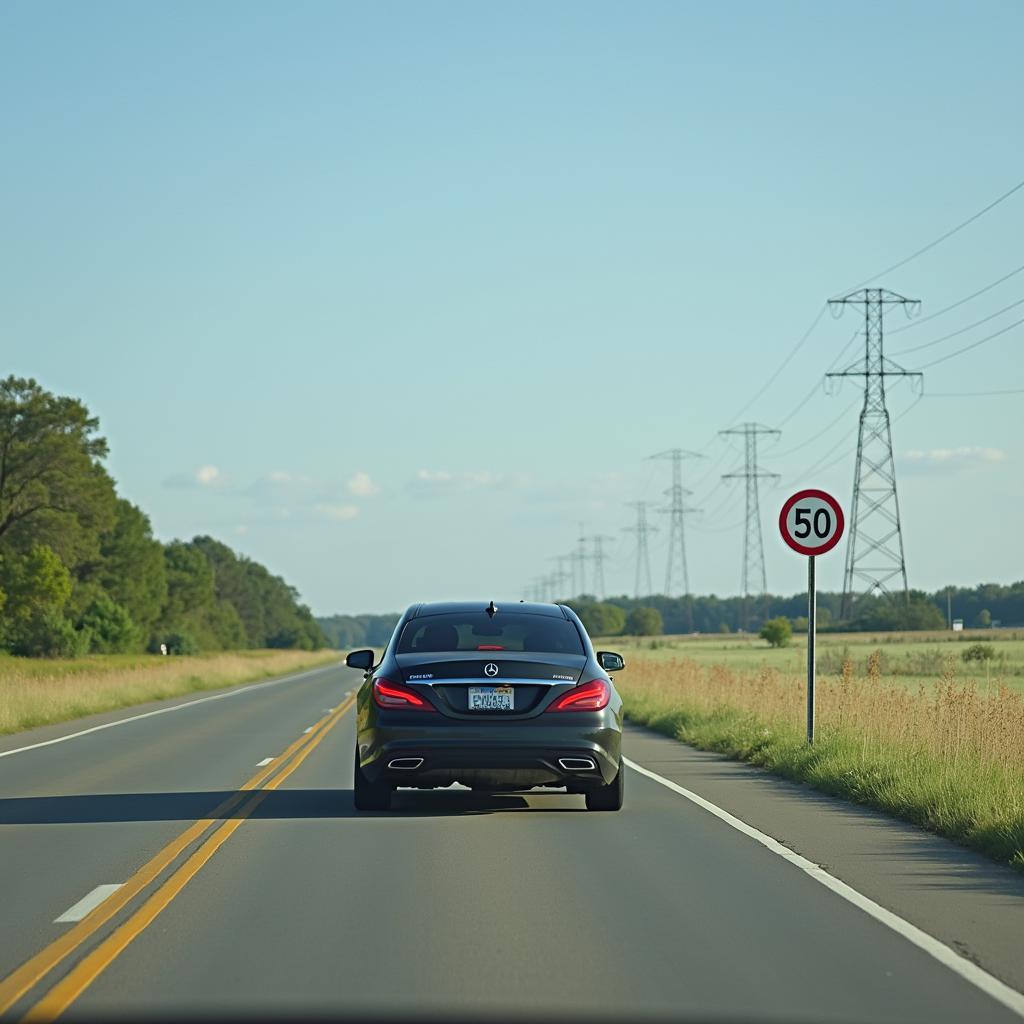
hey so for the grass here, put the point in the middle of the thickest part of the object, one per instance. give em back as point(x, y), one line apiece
point(946, 754)
point(36, 692)
point(906, 658)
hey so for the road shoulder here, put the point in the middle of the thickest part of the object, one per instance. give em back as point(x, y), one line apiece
point(959, 897)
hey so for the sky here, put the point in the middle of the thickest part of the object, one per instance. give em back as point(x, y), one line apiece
point(392, 297)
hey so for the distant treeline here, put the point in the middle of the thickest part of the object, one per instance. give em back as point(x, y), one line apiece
point(985, 605)
point(347, 631)
point(981, 606)
point(80, 570)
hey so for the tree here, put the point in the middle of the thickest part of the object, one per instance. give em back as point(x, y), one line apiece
point(598, 617)
point(37, 586)
point(778, 631)
point(53, 489)
point(131, 567)
point(644, 621)
point(984, 618)
point(109, 627)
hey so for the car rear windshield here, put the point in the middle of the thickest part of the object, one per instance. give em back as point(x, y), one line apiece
point(477, 631)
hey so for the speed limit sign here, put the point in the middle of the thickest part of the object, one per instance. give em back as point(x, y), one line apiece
point(811, 522)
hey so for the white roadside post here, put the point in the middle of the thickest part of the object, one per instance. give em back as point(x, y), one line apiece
point(811, 523)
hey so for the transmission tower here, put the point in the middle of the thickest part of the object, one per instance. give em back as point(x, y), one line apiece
point(677, 511)
point(874, 551)
point(561, 576)
point(643, 558)
point(580, 556)
point(598, 558)
point(753, 546)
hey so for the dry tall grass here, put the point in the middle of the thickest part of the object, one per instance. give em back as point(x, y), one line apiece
point(40, 693)
point(949, 756)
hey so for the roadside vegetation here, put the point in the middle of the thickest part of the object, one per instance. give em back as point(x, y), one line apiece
point(80, 569)
point(941, 746)
point(36, 692)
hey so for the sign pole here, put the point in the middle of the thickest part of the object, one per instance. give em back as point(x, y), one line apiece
point(812, 607)
point(811, 523)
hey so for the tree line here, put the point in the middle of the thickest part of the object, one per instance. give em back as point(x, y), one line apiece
point(80, 569)
point(987, 604)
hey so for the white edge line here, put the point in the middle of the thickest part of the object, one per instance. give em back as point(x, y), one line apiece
point(90, 901)
point(264, 762)
point(242, 688)
point(971, 972)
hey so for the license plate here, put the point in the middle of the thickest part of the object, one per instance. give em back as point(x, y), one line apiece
point(491, 698)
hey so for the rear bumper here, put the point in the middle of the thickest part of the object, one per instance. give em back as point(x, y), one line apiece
point(493, 755)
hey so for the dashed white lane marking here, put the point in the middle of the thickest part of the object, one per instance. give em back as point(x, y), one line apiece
point(88, 902)
point(327, 711)
point(304, 731)
point(991, 986)
point(264, 762)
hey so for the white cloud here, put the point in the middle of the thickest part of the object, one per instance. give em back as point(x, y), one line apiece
point(952, 458)
point(336, 513)
point(442, 481)
point(362, 486)
point(204, 476)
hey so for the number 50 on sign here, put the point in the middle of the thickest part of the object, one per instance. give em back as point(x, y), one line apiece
point(811, 522)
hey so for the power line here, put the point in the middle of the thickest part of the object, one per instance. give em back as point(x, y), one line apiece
point(973, 345)
point(962, 330)
point(940, 239)
point(973, 394)
point(815, 436)
point(959, 302)
point(785, 362)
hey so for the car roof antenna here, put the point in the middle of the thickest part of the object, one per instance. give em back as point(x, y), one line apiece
point(491, 609)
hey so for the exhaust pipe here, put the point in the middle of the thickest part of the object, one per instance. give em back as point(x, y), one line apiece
point(577, 764)
point(405, 763)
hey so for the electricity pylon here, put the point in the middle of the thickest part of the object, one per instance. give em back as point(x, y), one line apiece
point(643, 556)
point(677, 512)
point(561, 576)
point(580, 556)
point(598, 558)
point(753, 545)
point(874, 551)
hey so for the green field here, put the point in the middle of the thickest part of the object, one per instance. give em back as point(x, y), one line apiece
point(907, 659)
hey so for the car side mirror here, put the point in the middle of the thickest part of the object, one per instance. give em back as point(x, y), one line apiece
point(361, 659)
point(610, 661)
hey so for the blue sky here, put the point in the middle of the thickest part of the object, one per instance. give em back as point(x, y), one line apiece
point(390, 297)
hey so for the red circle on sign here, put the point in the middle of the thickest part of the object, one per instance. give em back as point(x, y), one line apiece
point(796, 543)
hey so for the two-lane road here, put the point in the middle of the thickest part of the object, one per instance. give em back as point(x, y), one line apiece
point(288, 901)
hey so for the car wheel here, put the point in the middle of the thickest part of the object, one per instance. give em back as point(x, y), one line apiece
point(607, 798)
point(369, 796)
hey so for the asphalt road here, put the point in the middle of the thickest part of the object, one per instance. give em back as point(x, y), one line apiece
point(279, 899)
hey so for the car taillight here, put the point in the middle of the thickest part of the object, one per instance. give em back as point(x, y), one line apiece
point(592, 696)
point(387, 694)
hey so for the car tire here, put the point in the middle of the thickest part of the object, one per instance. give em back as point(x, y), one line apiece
point(369, 796)
point(607, 798)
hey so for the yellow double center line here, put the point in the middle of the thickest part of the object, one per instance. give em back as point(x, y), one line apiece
point(83, 974)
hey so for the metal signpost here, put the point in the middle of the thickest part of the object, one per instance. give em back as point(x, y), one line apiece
point(811, 523)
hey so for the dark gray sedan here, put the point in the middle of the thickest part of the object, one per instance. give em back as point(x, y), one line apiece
point(495, 697)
